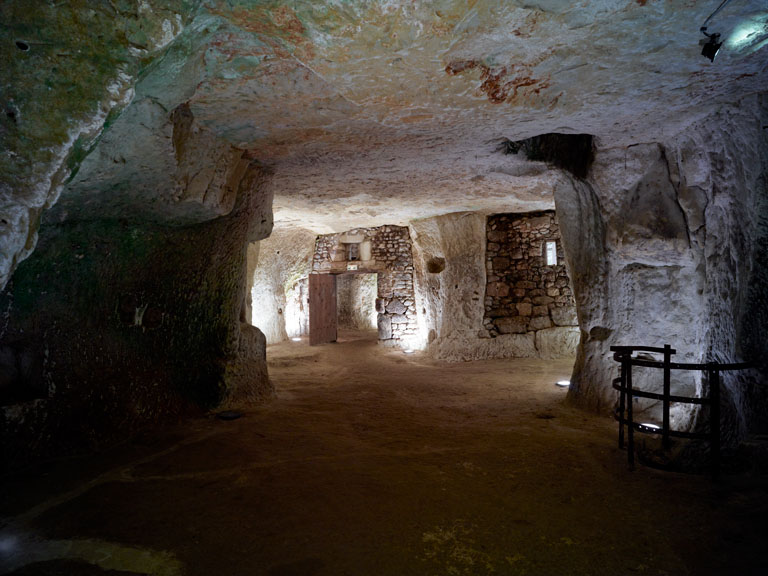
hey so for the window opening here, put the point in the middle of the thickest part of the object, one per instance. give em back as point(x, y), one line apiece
point(550, 249)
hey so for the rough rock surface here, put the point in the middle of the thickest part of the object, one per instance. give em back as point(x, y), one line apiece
point(371, 112)
point(662, 243)
point(356, 106)
point(61, 85)
point(556, 342)
point(279, 284)
point(118, 323)
point(356, 301)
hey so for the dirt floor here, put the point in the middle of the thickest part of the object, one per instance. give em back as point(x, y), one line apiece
point(373, 462)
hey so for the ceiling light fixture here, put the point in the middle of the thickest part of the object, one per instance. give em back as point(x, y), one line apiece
point(563, 383)
point(711, 46)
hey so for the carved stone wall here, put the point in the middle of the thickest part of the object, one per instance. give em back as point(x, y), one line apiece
point(114, 324)
point(664, 242)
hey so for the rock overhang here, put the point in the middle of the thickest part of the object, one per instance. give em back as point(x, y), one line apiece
point(373, 112)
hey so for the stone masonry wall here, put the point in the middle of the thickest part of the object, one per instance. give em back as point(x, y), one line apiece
point(523, 294)
point(391, 259)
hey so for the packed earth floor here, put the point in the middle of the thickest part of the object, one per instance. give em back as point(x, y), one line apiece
point(372, 462)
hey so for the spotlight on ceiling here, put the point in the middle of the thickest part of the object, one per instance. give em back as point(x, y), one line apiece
point(296, 339)
point(563, 383)
point(711, 47)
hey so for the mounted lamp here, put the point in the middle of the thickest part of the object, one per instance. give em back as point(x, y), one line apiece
point(711, 46)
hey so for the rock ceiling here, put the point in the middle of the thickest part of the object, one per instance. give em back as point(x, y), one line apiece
point(369, 112)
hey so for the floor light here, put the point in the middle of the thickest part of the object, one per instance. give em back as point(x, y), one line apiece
point(648, 426)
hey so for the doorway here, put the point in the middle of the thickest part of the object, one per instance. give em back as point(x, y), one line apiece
point(356, 305)
point(341, 302)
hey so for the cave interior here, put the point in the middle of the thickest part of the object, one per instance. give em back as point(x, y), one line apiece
point(285, 287)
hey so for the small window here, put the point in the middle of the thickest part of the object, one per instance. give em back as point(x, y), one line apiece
point(550, 252)
point(353, 251)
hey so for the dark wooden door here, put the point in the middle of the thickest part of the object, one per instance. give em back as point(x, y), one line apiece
point(322, 308)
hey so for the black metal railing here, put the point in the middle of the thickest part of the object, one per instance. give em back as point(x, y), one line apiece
point(627, 394)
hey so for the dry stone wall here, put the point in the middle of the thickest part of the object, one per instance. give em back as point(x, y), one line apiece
point(385, 250)
point(524, 294)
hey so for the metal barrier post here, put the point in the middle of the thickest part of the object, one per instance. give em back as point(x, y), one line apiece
point(630, 422)
point(665, 402)
point(714, 416)
point(622, 398)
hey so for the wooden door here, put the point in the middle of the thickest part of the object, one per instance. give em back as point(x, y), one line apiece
point(322, 308)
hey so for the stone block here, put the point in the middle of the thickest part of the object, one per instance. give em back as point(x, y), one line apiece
point(380, 305)
point(540, 323)
point(524, 309)
point(543, 300)
point(399, 319)
point(553, 292)
point(513, 325)
point(498, 289)
point(384, 323)
point(500, 263)
point(541, 310)
point(558, 342)
point(564, 316)
point(396, 306)
point(540, 222)
point(496, 236)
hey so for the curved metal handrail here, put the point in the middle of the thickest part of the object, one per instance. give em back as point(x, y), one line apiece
point(684, 365)
point(623, 355)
